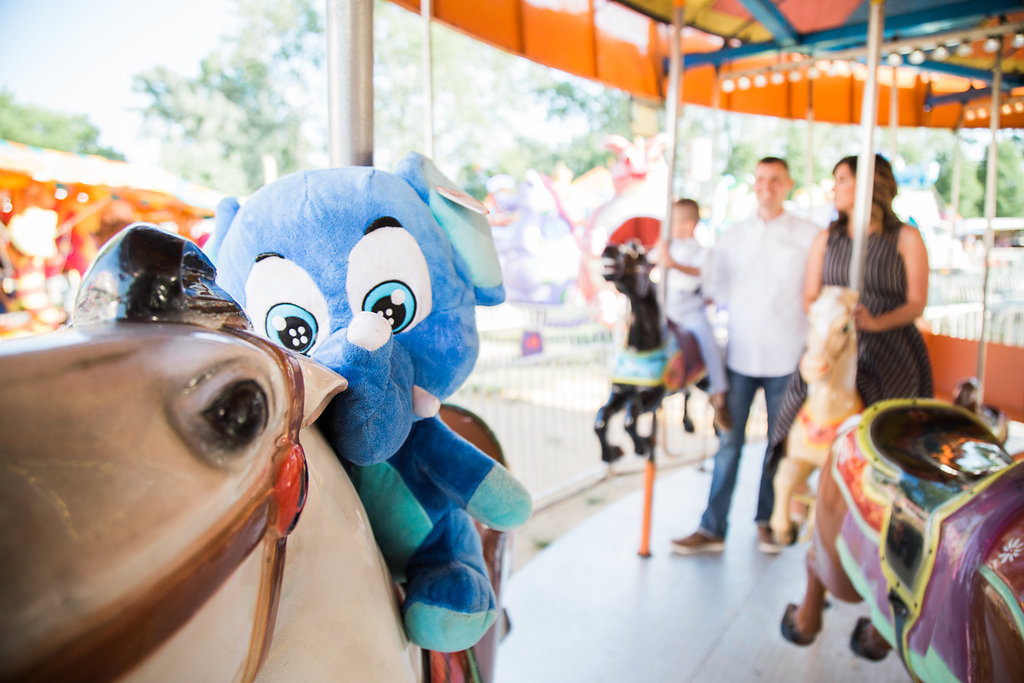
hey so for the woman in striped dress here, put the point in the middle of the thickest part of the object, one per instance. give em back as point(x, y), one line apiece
point(892, 361)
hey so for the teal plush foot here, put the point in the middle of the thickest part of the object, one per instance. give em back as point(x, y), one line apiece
point(443, 630)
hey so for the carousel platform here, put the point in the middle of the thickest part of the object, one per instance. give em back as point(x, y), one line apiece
point(588, 608)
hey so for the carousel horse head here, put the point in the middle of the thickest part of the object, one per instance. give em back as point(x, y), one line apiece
point(158, 459)
point(829, 367)
point(831, 336)
point(919, 514)
point(626, 266)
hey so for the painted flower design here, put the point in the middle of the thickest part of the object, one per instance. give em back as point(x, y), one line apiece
point(1012, 549)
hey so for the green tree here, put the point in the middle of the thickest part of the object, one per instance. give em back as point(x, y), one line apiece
point(486, 105)
point(40, 127)
point(256, 97)
point(595, 111)
point(972, 190)
point(263, 94)
point(1009, 179)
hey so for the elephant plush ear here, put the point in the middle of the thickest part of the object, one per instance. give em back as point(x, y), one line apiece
point(464, 219)
point(224, 214)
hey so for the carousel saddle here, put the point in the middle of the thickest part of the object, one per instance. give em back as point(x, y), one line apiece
point(931, 458)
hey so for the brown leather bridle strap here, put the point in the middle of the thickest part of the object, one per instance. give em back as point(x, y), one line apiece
point(128, 633)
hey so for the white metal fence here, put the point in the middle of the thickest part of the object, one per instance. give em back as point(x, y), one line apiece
point(956, 305)
point(543, 373)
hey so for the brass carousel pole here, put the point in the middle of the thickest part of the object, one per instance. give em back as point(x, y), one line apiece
point(990, 212)
point(671, 114)
point(866, 160)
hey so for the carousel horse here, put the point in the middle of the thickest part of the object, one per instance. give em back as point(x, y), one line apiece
point(651, 364)
point(178, 514)
point(829, 367)
point(919, 513)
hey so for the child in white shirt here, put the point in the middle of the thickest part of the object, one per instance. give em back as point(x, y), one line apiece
point(686, 264)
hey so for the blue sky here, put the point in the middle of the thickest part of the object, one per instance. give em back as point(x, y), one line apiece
point(77, 56)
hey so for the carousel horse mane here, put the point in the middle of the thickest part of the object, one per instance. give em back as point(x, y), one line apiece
point(829, 367)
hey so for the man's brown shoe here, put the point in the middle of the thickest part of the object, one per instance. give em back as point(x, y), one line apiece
point(698, 542)
point(766, 542)
point(722, 416)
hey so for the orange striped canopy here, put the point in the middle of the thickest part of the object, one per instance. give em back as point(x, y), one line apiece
point(625, 45)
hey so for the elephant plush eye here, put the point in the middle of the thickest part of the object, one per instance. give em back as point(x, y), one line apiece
point(394, 301)
point(292, 327)
point(285, 304)
point(388, 275)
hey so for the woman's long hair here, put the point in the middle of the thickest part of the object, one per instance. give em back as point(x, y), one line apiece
point(882, 194)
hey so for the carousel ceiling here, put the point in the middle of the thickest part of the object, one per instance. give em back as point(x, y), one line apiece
point(785, 58)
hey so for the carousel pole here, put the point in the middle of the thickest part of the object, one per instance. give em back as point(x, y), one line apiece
point(809, 165)
point(671, 121)
point(955, 191)
point(990, 212)
point(428, 80)
point(350, 82)
point(894, 118)
point(672, 115)
point(716, 126)
point(866, 160)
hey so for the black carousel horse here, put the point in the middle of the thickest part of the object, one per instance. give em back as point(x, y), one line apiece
point(653, 362)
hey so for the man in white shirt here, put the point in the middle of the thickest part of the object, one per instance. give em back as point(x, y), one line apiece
point(758, 276)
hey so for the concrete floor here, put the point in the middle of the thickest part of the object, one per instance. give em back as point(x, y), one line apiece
point(588, 608)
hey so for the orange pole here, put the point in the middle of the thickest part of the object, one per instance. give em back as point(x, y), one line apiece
point(645, 532)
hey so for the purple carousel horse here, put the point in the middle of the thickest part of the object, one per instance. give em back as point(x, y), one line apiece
point(920, 513)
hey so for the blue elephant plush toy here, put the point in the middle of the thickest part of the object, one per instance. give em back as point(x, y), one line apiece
point(377, 276)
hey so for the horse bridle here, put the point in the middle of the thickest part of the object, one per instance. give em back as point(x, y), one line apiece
point(268, 511)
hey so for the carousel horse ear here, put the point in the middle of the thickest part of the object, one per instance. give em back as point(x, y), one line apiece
point(463, 219)
point(320, 385)
point(145, 274)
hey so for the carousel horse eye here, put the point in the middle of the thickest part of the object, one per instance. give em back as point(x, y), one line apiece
point(238, 414)
point(394, 301)
point(293, 327)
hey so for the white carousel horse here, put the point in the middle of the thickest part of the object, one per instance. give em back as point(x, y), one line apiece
point(154, 472)
point(829, 367)
point(171, 514)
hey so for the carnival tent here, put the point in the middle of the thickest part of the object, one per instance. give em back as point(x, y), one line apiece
point(85, 184)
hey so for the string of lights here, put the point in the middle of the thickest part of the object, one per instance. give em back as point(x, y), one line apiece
point(896, 53)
